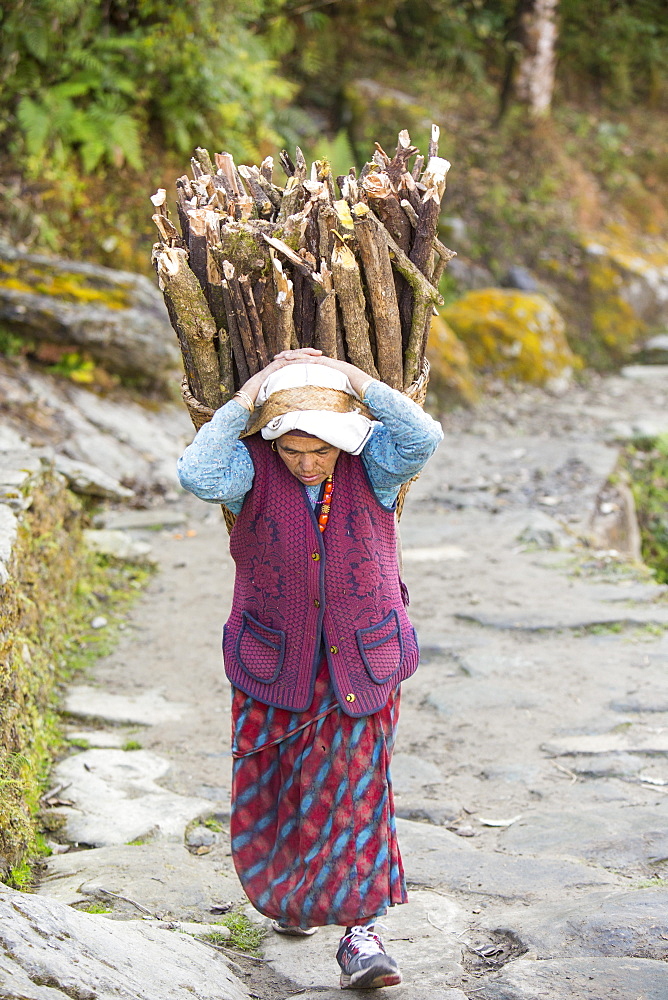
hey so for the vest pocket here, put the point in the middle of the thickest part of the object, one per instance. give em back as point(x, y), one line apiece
point(260, 650)
point(381, 647)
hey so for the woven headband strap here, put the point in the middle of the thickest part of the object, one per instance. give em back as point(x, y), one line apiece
point(307, 397)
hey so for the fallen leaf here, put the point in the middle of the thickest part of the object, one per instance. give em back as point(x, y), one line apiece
point(499, 822)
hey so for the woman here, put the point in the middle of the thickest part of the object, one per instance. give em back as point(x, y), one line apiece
point(317, 641)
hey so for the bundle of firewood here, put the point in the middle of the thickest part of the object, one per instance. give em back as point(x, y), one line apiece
point(259, 268)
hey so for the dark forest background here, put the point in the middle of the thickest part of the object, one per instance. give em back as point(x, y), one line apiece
point(101, 103)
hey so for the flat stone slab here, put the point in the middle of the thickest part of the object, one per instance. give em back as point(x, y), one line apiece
point(146, 709)
point(155, 517)
point(435, 857)
point(579, 979)
point(618, 924)
point(116, 798)
point(165, 879)
point(411, 773)
point(609, 834)
point(87, 956)
point(421, 935)
point(631, 740)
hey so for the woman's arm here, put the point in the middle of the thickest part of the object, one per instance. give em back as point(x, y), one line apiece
point(217, 466)
point(400, 447)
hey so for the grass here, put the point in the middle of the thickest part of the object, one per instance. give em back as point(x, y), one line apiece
point(244, 935)
point(94, 908)
point(131, 745)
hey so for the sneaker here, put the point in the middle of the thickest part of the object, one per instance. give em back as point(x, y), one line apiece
point(364, 964)
point(291, 931)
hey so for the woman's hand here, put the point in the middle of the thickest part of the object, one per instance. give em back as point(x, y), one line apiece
point(302, 354)
point(306, 355)
point(355, 376)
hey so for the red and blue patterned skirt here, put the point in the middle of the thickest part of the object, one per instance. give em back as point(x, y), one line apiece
point(313, 830)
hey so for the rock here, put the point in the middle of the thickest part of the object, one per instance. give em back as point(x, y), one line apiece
point(201, 836)
point(99, 622)
point(468, 275)
point(628, 924)
point(86, 956)
point(430, 918)
point(614, 524)
point(434, 857)
point(146, 709)
point(512, 334)
point(131, 443)
point(117, 800)
point(410, 772)
point(544, 532)
point(117, 317)
point(610, 834)
point(578, 979)
point(117, 545)
point(521, 278)
point(9, 526)
point(451, 378)
point(87, 479)
point(652, 700)
point(162, 877)
point(633, 739)
point(655, 350)
point(127, 520)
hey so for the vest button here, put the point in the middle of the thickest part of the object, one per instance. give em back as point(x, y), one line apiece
point(316, 603)
point(315, 556)
point(350, 697)
point(333, 649)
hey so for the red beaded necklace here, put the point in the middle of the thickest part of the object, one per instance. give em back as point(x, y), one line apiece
point(326, 504)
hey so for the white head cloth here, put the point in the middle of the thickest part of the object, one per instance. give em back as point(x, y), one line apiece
point(348, 431)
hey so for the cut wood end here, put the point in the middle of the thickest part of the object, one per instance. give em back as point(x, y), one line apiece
point(404, 138)
point(342, 209)
point(159, 198)
point(360, 210)
point(435, 133)
point(228, 270)
point(169, 261)
point(378, 184)
point(342, 256)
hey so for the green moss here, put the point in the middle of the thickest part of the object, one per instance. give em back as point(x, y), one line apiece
point(451, 378)
point(55, 589)
point(646, 463)
point(23, 276)
point(512, 334)
point(248, 254)
point(131, 745)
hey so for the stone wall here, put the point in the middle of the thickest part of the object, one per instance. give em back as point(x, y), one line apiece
point(41, 562)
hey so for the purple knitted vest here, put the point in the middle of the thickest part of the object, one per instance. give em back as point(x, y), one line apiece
point(297, 590)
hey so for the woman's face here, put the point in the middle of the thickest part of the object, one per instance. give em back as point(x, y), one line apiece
point(309, 459)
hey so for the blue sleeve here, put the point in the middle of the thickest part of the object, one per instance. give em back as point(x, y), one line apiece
point(217, 466)
point(401, 444)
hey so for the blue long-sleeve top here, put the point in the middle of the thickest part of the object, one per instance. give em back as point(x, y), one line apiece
point(217, 466)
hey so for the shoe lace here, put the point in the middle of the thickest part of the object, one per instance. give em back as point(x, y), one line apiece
point(364, 939)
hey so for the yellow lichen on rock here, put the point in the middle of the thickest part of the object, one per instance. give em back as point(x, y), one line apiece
point(628, 287)
point(451, 379)
point(513, 334)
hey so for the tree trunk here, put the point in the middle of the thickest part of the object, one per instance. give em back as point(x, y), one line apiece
point(529, 76)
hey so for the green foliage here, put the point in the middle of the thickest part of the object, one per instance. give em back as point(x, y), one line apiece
point(619, 48)
point(647, 463)
point(96, 79)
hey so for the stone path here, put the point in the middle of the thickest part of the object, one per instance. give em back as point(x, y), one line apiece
point(531, 771)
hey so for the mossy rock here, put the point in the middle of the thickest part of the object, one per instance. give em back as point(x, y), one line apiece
point(451, 379)
point(512, 334)
point(627, 280)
